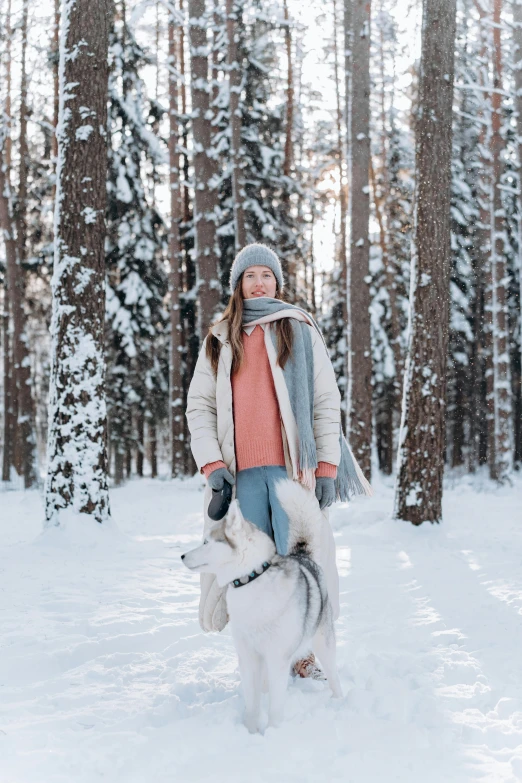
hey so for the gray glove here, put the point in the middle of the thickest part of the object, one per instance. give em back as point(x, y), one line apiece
point(217, 477)
point(324, 491)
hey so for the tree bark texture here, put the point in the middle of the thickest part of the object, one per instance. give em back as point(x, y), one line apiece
point(288, 160)
point(481, 254)
point(176, 347)
point(360, 430)
point(56, 80)
point(140, 442)
point(517, 19)
point(21, 212)
point(421, 443)
point(205, 170)
point(498, 374)
point(189, 336)
point(7, 459)
point(234, 82)
point(23, 426)
point(345, 273)
point(77, 457)
point(287, 166)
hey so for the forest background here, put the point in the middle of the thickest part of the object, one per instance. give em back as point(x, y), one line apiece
point(301, 128)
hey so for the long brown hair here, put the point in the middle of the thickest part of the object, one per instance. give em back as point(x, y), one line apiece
point(234, 315)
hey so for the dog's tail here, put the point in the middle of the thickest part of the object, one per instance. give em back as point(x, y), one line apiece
point(305, 518)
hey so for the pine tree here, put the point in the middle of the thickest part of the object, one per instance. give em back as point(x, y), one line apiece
point(205, 171)
point(421, 459)
point(175, 283)
point(360, 362)
point(498, 375)
point(77, 460)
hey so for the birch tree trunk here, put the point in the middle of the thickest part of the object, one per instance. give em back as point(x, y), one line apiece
point(205, 169)
point(77, 457)
point(360, 431)
point(176, 347)
point(234, 82)
point(421, 443)
point(500, 448)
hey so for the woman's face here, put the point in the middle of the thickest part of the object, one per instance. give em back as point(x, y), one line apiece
point(258, 281)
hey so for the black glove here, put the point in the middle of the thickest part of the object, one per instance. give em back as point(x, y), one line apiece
point(325, 491)
point(217, 477)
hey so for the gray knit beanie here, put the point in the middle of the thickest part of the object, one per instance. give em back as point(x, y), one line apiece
point(255, 255)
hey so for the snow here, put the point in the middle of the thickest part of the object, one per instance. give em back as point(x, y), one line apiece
point(83, 132)
point(104, 672)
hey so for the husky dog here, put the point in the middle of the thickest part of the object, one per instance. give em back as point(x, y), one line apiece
point(278, 606)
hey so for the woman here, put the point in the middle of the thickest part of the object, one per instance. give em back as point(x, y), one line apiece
point(264, 405)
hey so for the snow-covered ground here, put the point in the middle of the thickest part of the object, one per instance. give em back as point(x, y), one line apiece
point(105, 675)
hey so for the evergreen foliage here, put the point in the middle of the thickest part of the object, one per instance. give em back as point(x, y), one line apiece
point(137, 323)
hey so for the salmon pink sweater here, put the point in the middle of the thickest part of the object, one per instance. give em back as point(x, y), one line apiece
point(257, 421)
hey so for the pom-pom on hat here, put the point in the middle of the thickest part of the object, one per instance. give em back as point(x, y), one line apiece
point(255, 255)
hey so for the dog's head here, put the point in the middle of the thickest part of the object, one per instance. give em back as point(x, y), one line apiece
point(230, 548)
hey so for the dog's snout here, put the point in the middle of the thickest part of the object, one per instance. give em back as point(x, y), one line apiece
point(182, 557)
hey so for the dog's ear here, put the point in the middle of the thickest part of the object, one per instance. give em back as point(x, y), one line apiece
point(234, 520)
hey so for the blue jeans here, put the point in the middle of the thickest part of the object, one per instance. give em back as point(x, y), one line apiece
point(255, 490)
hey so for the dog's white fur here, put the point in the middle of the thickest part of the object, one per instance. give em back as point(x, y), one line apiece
point(278, 617)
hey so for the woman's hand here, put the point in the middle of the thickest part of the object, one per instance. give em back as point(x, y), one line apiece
point(324, 491)
point(217, 477)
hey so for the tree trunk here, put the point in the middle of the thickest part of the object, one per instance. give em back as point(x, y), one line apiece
point(360, 432)
point(56, 80)
point(205, 169)
point(176, 375)
point(26, 437)
point(346, 272)
point(119, 455)
point(481, 254)
point(340, 158)
point(20, 370)
point(234, 82)
point(77, 472)
point(7, 458)
point(128, 458)
point(153, 436)
point(517, 19)
point(288, 160)
point(421, 443)
point(21, 212)
point(9, 383)
point(287, 165)
point(500, 411)
point(140, 450)
point(189, 336)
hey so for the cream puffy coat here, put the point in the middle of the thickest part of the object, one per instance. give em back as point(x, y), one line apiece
point(211, 424)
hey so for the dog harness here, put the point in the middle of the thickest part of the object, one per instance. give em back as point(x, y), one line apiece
point(244, 580)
